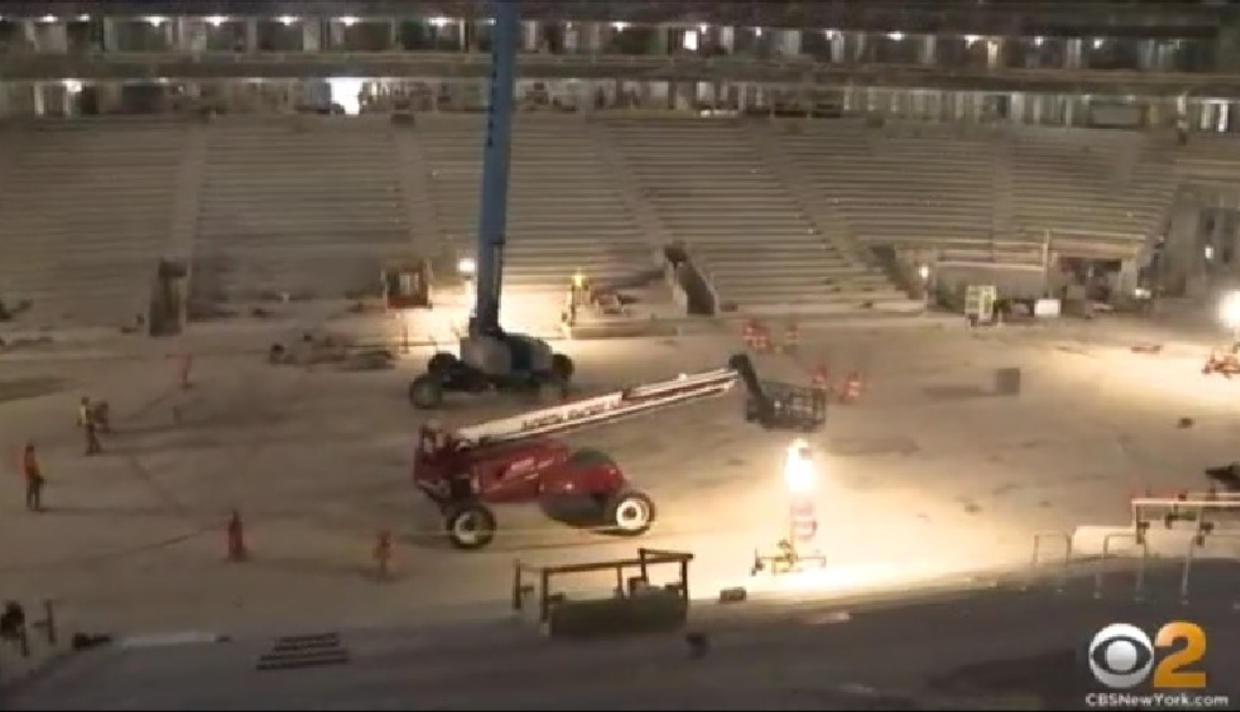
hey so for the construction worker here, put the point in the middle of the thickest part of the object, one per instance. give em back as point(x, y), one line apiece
point(83, 412)
point(93, 446)
point(34, 479)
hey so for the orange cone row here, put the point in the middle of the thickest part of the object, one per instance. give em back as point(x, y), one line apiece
point(757, 336)
point(237, 550)
point(851, 391)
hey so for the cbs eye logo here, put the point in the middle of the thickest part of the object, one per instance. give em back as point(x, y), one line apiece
point(1121, 656)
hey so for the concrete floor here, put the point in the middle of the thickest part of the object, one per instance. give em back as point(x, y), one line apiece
point(930, 475)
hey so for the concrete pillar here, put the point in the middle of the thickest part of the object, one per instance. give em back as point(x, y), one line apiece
point(658, 44)
point(393, 34)
point(335, 35)
point(1147, 55)
point(1016, 108)
point(592, 37)
point(462, 36)
point(39, 107)
point(67, 98)
point(30, 33)
point(994, 52)
point(727, 38)
point(859, 46)
point(789, 42)
point(1072, 53)
point(251, 34)
point(529, 35)
point(190, 36)
point(682, 96)
point(929, 45)
point(110, 41)
point(312, 35)
point(572, 37)
point(837, 47)
point(55, 38)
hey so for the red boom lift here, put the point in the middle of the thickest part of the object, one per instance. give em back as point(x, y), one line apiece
point(514, 460)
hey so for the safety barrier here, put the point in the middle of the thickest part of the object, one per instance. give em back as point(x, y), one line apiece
point(1138, 592)
point(1193, 544)
point(636, 603)
point(1067, 556)
point(1209, 510)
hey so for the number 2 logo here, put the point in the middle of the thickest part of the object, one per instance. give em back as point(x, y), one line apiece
point(1170, 672)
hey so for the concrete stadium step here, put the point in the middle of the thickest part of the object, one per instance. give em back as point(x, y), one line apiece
point(558, 281)
point(772, 252)
point(690, 209)
point(575, 229)
point(786, 278)
point(527, 259)
point(857, 297)
point(533, 244)
point(795, 288)
point(760, 269)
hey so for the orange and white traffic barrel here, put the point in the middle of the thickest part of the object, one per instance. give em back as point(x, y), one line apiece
point(749, 333)
point(762, 339)
point(802, 520)
point(819, 379)
point(852, 388)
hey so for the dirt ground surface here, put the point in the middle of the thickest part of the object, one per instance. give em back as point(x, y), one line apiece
point(932, 474)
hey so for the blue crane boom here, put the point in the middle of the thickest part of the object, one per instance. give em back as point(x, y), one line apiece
point(493, 205)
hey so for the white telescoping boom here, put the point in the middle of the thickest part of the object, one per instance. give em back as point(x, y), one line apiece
point(773, 405)
point(603, 409)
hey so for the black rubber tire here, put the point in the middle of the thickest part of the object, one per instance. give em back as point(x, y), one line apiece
point(470, 525)
point(441, 361)
point(426, 392)
point(562, 367)
point(620, 512)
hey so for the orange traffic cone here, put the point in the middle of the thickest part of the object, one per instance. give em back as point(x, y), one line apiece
point(383, 554)
point(236, 538)
point(749, 333)
point(819, 378)
point(852, 388)
point(762, 340)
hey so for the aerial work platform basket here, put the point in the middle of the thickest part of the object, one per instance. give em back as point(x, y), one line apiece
point(777, 405)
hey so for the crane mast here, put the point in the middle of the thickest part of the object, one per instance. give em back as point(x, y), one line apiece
point(493, 205)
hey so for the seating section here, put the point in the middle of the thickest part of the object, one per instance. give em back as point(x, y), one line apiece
point(85, 215)
point(306, 206)
point(1208, 159)
point(312, 205)
point(894, 186)
point(566, 211)
point(999, 191)
point(713, 191)
point(1086, 183)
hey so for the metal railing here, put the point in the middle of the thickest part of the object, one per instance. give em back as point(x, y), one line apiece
point(1138, 592)
point(1067, 557)
point(1193, 543)
point(645, 559)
